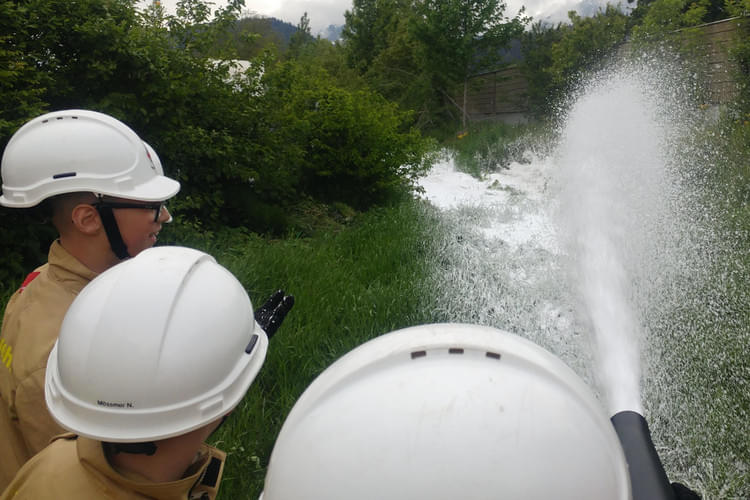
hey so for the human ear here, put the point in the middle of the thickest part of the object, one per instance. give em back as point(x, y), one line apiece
point(86, 219)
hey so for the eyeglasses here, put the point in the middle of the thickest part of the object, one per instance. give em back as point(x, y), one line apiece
point(156, 207)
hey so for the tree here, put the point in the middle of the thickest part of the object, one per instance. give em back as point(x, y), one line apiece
point(537, 44)
point(462, 37)
point(368, 27)
point(421, 52)
point(301, 37)
point(350, 145)
point(658, 17)
point(584, 46)
point(21, 86)
point(380, 45)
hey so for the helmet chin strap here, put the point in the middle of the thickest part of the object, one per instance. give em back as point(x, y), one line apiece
point(145, 448)
point(113, 232)
point(148, 448)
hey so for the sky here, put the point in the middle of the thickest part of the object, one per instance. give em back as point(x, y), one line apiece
point(323, 13)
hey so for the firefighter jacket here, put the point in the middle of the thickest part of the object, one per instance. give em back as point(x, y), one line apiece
point(30, 327)
point(74, 467)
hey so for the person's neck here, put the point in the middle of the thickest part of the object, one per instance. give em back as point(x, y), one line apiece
point(90, 252)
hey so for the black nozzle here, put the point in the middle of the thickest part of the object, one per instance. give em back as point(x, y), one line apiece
point(648, 479)
point(270, 315)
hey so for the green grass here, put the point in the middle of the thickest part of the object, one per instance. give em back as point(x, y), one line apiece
point(705, 365)
point(489, 146)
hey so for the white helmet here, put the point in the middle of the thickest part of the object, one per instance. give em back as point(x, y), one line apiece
point(80, 151)
point(154, 347)
point(447, 412)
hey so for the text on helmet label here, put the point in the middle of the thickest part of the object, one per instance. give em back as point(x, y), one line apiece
point(109, 404)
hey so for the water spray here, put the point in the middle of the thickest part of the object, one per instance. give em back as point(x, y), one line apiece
point(624, 284)
point(613, 173)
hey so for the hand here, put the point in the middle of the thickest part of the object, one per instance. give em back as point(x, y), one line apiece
point(270, 315)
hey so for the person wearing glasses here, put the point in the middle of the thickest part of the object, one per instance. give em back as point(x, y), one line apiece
point(141, 393)
point(104, 190)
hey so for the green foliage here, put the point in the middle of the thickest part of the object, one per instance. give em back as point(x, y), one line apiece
point(674, 26)
point(537, 45)
point(380, 45)
point(556, 57)
point(21, 86)
point(585, 47)
point(660, 17)
point(740, 55)
point(368, 28)
point(490, 146)
point(24, 239)
point(349, 145)
point(460, 38)
point(251, 37)
point(301, 37)
point(421, 53)
point(737, 8)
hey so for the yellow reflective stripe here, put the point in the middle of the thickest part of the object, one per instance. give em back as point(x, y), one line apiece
point(6, 352)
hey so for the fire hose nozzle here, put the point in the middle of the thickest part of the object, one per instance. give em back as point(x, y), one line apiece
point(648, 479)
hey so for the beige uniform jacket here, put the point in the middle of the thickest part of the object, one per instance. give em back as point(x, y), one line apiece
point(75, 468)
point(30, 327)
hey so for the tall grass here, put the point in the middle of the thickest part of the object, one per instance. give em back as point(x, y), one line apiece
point(697, 373)
point(350, 286)
point(489, 146)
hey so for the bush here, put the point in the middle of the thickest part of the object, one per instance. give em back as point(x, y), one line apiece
point(351, 146)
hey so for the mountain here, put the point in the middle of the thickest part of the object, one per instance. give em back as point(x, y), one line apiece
point(284, 29)
point(276, 32)
point(332, 32)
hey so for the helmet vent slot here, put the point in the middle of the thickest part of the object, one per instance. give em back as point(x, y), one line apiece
point(493, 355)
point(455, 350)
point(418, 354)
point(251, 344)
point(64, 175)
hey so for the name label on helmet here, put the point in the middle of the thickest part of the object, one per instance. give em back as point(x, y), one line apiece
point(6, 354)
point(108, 404)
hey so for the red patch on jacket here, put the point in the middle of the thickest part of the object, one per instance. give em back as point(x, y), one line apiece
point(28, 280)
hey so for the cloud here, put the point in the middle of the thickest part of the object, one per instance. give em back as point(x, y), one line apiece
point(322, 13)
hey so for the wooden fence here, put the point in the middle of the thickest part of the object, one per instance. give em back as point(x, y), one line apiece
point(498, 95)
point(503, 94)
point(712, 43)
